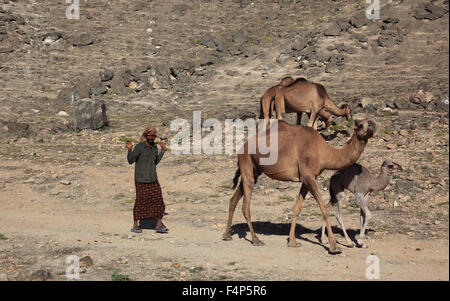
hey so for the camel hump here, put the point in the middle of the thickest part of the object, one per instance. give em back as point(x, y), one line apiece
point(300, 79)
point(286, 81)
point(321, 90)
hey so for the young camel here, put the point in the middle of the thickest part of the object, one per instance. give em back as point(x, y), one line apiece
point(304, 96)
point(361, 182)
point(302, 155)
point(267, 103)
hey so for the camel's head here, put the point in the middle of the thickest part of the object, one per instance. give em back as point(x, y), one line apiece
point(390, 166)
point(365, 129)
point(347, 111)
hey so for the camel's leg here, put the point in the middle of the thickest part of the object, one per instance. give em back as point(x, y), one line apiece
point(248, 185)
point(312, 186)
point(299, 118)
point(297, 208)
point(233, 203)
point(326, 116)
point(338, 200)
point(341, 223)
point(312, 119)
point(279, 106)
point(266, 107)
point(367, 215)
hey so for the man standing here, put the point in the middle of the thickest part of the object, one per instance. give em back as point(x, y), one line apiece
point(149, 201)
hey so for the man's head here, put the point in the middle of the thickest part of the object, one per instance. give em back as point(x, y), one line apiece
point(149, 134)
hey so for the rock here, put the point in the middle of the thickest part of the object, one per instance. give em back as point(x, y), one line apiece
point(239, 38)
point(396, 204)
point(208, 41)
point(404, 133)
point(391, 20)
point(431, 12)
point(82, 38)
point(65, 182)
point(90, 114)
point(62, 113)
point(299, 45)
point(83, 88)
point(283, 58)
point(421, 97)
point(343, 24)
point(68, 96)
point(118, 86)
point(86, 262)
point(15, 128)
point(106, 75)
point(98, 89)
point(244, 3)
point(41, 275)
point(272, 16)
point(333, 30)
point(359, 20)
point(6, 49)
point(132, 85)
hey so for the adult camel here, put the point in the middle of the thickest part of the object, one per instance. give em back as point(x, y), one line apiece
point(302, 155)
point(267, 103)
point(302, 96)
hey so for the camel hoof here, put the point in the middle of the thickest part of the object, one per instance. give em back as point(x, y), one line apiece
point(350, 244)
point(227, 237)
point(258, 243)
point(324, 240)
point(335, 251)
point(294, 244)
point(362, 245)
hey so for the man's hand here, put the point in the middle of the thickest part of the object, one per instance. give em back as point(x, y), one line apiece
point(129, 145)
point(163, 146)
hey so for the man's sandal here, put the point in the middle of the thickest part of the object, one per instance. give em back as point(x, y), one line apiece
point(136, 230)
point(162, 229)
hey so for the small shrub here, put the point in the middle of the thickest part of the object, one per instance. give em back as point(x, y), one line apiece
point(119, 277)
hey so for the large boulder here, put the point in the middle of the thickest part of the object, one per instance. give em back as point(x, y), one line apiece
point(90, 114)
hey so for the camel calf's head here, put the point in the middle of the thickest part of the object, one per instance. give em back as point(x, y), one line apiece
point(390, 166)
point(365, 129)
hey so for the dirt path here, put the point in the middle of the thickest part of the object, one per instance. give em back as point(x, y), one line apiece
point(99, 227)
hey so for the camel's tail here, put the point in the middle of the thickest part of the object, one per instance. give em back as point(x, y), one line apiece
point(261, 110)
point(333, 199)
point(236, 177)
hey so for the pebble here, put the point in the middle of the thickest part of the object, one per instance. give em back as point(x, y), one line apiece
point(396, 204)
point(62, 113)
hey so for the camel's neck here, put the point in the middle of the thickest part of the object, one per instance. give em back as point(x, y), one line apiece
point(381, 181)
point(335, 159)
point(332, 108)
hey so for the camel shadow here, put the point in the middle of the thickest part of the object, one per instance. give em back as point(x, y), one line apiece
point(333, 135)
point(269, 228)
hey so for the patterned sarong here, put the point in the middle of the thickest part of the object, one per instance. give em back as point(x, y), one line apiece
point(149, 201)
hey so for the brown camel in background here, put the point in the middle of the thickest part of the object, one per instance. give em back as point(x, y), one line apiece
point(267, 103)
point(304, 96)
point(302, 155)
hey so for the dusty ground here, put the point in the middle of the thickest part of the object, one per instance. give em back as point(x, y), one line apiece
point(69, 192)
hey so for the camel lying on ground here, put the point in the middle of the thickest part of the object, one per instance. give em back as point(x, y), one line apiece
point(361, 182)
point(267, 104)
point(302, 96)
point(302, 155)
